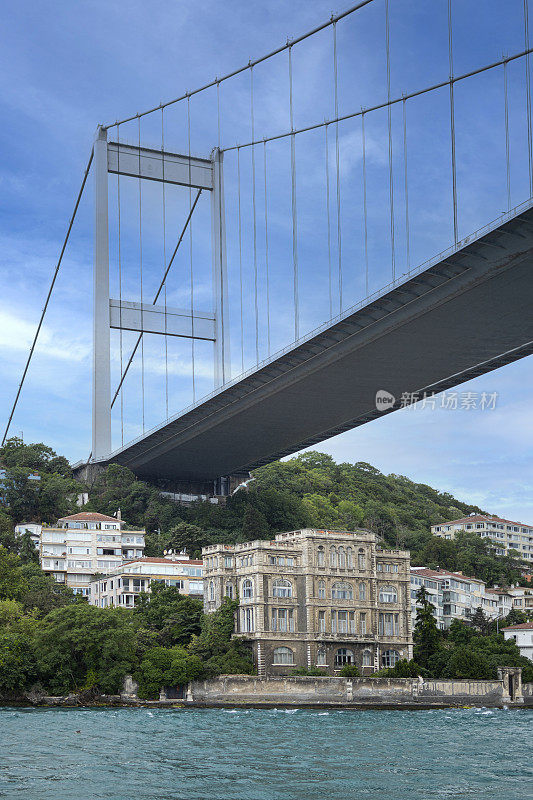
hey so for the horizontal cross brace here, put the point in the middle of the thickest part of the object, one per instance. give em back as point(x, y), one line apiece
point(146, 318)
point(157, 165)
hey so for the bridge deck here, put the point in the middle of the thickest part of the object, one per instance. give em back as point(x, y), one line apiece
point(465, 314)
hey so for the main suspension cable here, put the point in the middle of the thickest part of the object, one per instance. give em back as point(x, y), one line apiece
point(407, 96)
point(252, 63)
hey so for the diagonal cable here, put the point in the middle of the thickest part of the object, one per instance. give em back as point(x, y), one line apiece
point(48, 296)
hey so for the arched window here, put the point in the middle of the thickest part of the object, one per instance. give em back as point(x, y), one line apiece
point(342, 558)
point(322, 589)
point(361, 559)
point(349, 557)
point(342, 591)
point(321, 560)
point(389, 658)
point(211, 591)
point(281, 588)
point(247, 589)
point(343, 656)
point(362, 591)
point(321, 660)
point(367, 658)
point(388, 594)
point(283, 656)
point(333, 557)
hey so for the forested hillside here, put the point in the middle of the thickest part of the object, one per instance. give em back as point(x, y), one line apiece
point(52, 641)
point(310, 490)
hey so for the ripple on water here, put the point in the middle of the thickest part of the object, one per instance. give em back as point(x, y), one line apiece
point(254, 754)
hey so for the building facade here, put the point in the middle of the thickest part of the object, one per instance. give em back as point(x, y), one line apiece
point(315, 598)
point(85, 544)
point(457, 596)
point(122, 585)
point(33, 528)
point(522, 599)
point(503, 534)
point(523, 636)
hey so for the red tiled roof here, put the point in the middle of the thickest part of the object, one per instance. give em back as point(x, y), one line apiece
point(442, 573)
point(90, 516)
point(499, 591)
point(524, 626)
point(482, 518)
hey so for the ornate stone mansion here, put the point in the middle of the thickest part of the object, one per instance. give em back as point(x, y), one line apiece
point(315, 598)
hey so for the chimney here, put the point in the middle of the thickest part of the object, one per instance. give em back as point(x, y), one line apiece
point(119, 515)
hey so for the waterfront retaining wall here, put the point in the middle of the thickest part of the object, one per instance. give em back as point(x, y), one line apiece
point(364, 692)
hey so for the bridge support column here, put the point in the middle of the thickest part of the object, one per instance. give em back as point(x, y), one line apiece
point(220, 273)
point(101, 433)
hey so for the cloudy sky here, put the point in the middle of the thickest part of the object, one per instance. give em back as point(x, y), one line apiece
point(65, 67)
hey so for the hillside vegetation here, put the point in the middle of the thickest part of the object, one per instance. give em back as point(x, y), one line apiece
point(310, 490)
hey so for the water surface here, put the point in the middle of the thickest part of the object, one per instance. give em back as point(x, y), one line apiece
point(213, 754)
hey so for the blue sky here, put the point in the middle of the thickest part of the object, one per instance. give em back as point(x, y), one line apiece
point(67, 67)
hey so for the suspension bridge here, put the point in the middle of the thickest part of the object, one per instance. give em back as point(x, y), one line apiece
point(301, 294)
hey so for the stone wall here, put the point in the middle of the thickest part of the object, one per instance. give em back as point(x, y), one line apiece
point(309, 691)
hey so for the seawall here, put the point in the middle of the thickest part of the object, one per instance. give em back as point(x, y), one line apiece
point(232, 690)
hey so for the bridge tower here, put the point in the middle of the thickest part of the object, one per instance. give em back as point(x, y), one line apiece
point(212, 325)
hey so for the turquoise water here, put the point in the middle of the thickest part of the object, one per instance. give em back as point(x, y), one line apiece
point(277, 754)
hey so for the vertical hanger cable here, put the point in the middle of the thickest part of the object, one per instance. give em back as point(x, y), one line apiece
point(256, 297)
point(191, 275)
point(337, 161)
point(266, 249)
point(141, 274)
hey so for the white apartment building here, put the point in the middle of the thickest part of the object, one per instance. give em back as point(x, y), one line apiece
point(85, 544)
point(523, 636)
point(456, 596)
point(33, 528)
point(504, 534)
point(522, 599)
point(123, 584)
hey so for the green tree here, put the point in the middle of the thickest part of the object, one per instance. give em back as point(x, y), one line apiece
point(479, 620)
point(166, 666)
point(254, 524)
point(175, 617)
point(426, 636)
point(81, 644)
point(185, 536)
point(33, 457)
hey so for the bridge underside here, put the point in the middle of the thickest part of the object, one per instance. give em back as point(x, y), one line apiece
point(462, 317)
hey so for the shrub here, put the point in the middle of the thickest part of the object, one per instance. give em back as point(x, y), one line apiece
point(350, 671)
